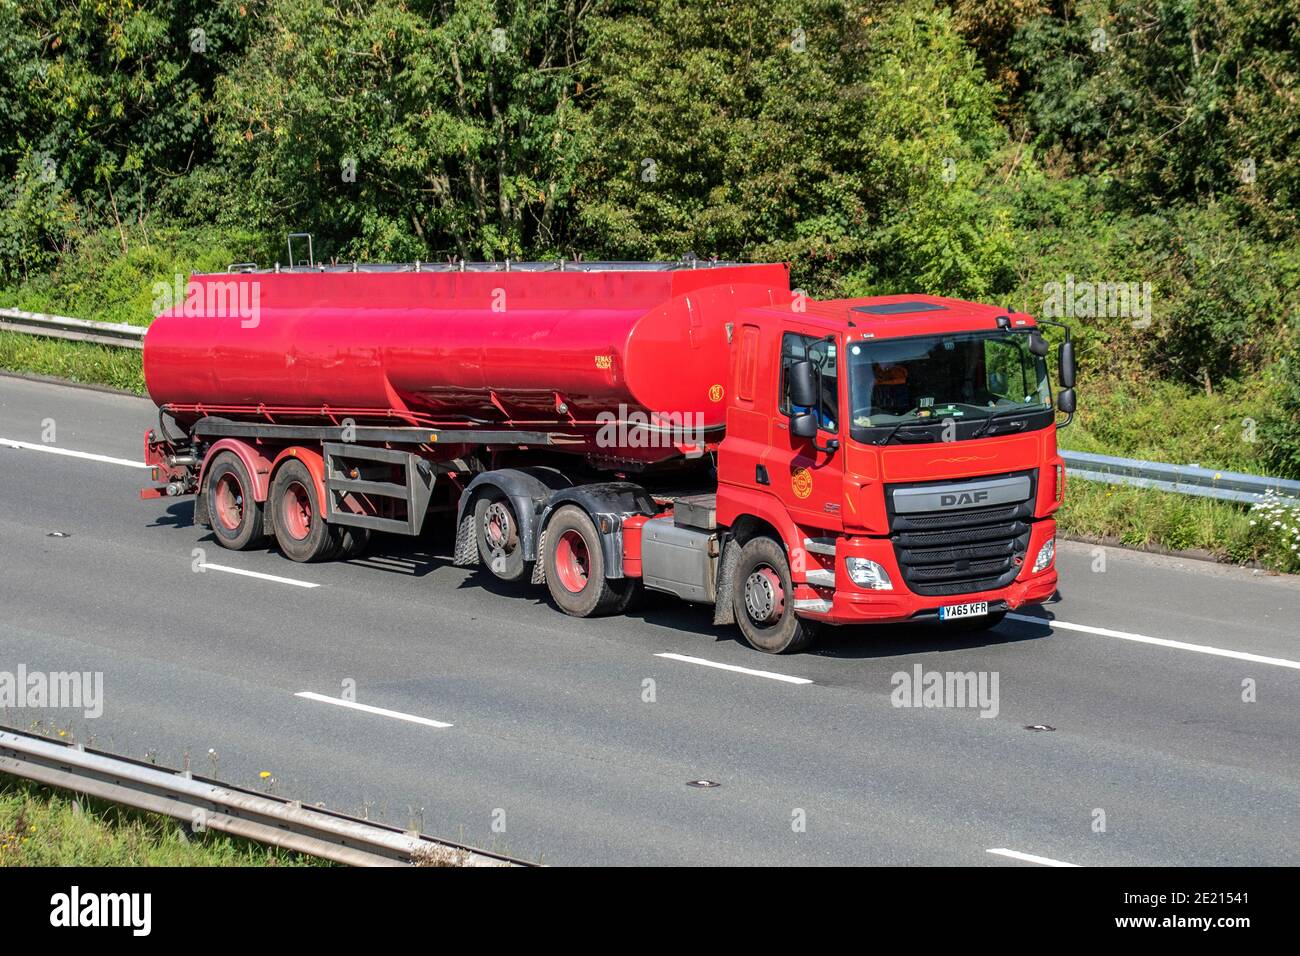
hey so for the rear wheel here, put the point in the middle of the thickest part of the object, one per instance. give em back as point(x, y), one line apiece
point(763, 600)
point(300, 530)
point(235, 516)
point(575, 567)
point(353, 541)
point(496, 528)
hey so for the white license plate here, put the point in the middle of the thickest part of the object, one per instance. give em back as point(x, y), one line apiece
point(953, 611)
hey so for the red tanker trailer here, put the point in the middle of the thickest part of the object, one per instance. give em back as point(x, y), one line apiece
point(695, 428)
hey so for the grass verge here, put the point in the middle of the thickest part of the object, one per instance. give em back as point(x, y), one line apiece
point(41, 826)
point(79, 362)
point(1161, 421)
point(1265, 535)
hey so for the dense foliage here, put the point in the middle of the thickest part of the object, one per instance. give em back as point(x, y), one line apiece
point(994, 149)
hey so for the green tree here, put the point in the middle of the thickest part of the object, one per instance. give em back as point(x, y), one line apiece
point(408, 130)
point(1178, 100)
point(856, 140)
point(113, 93)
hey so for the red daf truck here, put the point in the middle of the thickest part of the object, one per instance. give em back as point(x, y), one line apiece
point(695, 428)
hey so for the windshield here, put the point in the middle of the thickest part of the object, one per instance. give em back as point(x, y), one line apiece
point(930, 378)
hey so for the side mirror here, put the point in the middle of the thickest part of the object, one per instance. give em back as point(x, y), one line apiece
point(1038, 345)
point(803, 385)
point(803, 425)
point(1065, 401)
point(1065, 364)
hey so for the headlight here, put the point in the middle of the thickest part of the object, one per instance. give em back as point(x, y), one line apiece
point(868, 574)
point(1045, 555)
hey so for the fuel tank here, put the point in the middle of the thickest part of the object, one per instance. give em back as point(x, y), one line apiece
point(522, 347)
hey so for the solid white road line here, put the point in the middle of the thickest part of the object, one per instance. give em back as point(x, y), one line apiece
point(352, 705)
point(32, 446)
point(258, 574)
point(1159, 641)
point(739, 670)
point(1029, 857)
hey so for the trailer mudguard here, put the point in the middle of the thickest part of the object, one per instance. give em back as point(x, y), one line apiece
point(255, 463)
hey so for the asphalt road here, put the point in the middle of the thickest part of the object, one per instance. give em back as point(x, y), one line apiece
point(560, 751)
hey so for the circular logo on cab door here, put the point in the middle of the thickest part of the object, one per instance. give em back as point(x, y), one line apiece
point(715, 393)
point(801, 481)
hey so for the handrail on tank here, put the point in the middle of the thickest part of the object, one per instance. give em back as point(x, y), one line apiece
point(463, 265)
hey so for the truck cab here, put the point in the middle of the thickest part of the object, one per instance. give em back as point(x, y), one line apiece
point(904, 450)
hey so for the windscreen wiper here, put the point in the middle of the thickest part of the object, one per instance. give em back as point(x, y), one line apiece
point(906, 424)
point(996, 415)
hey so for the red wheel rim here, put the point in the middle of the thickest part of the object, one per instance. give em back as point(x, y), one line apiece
point(228, 501)
point(295, 511)
point(572, 561)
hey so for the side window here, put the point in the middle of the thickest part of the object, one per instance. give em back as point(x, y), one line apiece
point(794, 348)
point(797, 348)
point(747, 372)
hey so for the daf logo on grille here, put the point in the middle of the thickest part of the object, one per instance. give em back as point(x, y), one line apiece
point(958, 496)
point(966, 499)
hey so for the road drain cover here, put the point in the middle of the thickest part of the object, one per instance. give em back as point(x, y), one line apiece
point(703, 784)
point(1038, 728)
point(58, 534)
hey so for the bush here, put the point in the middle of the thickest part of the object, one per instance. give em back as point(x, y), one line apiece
point(36, 216)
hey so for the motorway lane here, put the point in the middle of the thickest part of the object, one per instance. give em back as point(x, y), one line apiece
point(548, 719)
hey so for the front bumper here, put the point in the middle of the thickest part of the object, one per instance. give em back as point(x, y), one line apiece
point(850, 604)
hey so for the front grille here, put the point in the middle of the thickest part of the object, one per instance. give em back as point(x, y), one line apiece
point(943, 553)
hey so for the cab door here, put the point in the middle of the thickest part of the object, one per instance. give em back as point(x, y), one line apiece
point(808, 481)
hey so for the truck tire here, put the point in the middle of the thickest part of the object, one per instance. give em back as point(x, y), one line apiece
point(300, 530)
point(763, 600)
point(235, 516)
point(353, 541)
point(496, 529)
point(575, 567)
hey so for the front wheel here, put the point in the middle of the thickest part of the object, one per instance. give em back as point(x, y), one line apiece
point(763, 600)
point(575, 567)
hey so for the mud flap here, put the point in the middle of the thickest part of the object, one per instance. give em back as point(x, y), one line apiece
point(539, 566)
point(723, 612)
point(466, 553)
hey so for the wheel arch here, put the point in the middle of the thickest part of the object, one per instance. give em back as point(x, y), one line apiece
point(255, 463)
point(606, 504)
point(743, 528)
point(527, 489)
